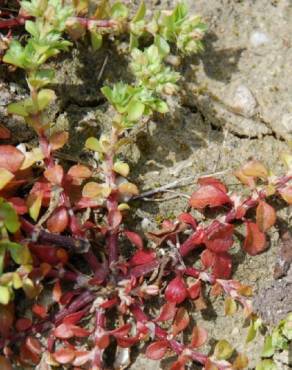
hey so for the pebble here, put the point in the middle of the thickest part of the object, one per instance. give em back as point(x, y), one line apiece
point(243, 102)
point(259, 38)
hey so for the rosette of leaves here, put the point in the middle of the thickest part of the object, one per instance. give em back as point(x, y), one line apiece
point(279, 340)
point(45, 41)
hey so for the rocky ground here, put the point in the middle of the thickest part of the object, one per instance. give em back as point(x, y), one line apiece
point(235, 104)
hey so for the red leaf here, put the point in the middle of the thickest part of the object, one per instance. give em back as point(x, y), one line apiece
point(4, 133)
point(79, 332)
point(167, 312)
point(58, 221)
point(54, 174)
point(39, 310)
point(33, 345)
point(219, 237)
point(188, 219)
point(64, 355)
point(180, 363)
point(181, 321)
point(134, 238)
point(195, 290)
point(222, 266)
point(10, 158)
point(220, 263)
point(81, 358)
point(199, 337)
point(73, 318)
point(6, 319)
point(192, 242)
point(209, 195)
point(121, 331)
point(214, 182)
point(255, 240)
point(127, 342)
point(64, 331)
point(19, 205)
point(265, 216)
point(176, 291)
point(157, 350)
point(23, 324)
point(142, 257)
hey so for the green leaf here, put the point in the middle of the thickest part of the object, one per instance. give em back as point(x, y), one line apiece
point(5, 177)
point(141, 12)
point(96, 40)
point(45, 97)
point(223, 350)
point(134, 42)
point(268, 349)
point(4, 295)
point(93, 144)
point(119, 11)
point(135, 110)
point(255, 324)
point(19, 253)
point(162, 45)
point(20, 108)
point(15, 54)
point(31, 28)
point(161, 107)
point(287, 327)
point(41, 78)
point(266, 365)
point(9, 217)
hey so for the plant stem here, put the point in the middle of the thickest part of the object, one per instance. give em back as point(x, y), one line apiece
point(112, 201)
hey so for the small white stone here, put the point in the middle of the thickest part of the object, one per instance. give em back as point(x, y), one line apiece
point(243, 101)
point(258, 38)
point(286, 123)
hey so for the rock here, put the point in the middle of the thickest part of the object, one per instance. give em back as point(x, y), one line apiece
point(244, 46)
point(259, 38)
point(243, 101)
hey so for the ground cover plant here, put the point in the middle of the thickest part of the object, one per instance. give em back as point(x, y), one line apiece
point(63, 229)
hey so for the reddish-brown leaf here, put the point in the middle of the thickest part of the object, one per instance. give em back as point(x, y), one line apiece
point(265, 216)
point(64, 355)
point(181, 321)
point(33, 345)
point(79, 332)
point(6, 319)
point(212, 181)
point(58, 140)
point(199, 337)
point(188, 219)
point(54, 174)
point(134, 238)
point(219, 237)
point(64, 331)
point(19, 205)
point(115, 218)
point(195, 290)
point(10, 158)
point(4, 133)
point(23, 324)
point(57, 291)
point(167, 312)
point(255, 240)
point(157, 350)
point(58, 221)
point(79, 173)
point(176, 291)
point(141, 257)
point(208, 195)
point(39, 310)
point(5, 364)
point(81, 358)
point(73, 318)
point(222, 267)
